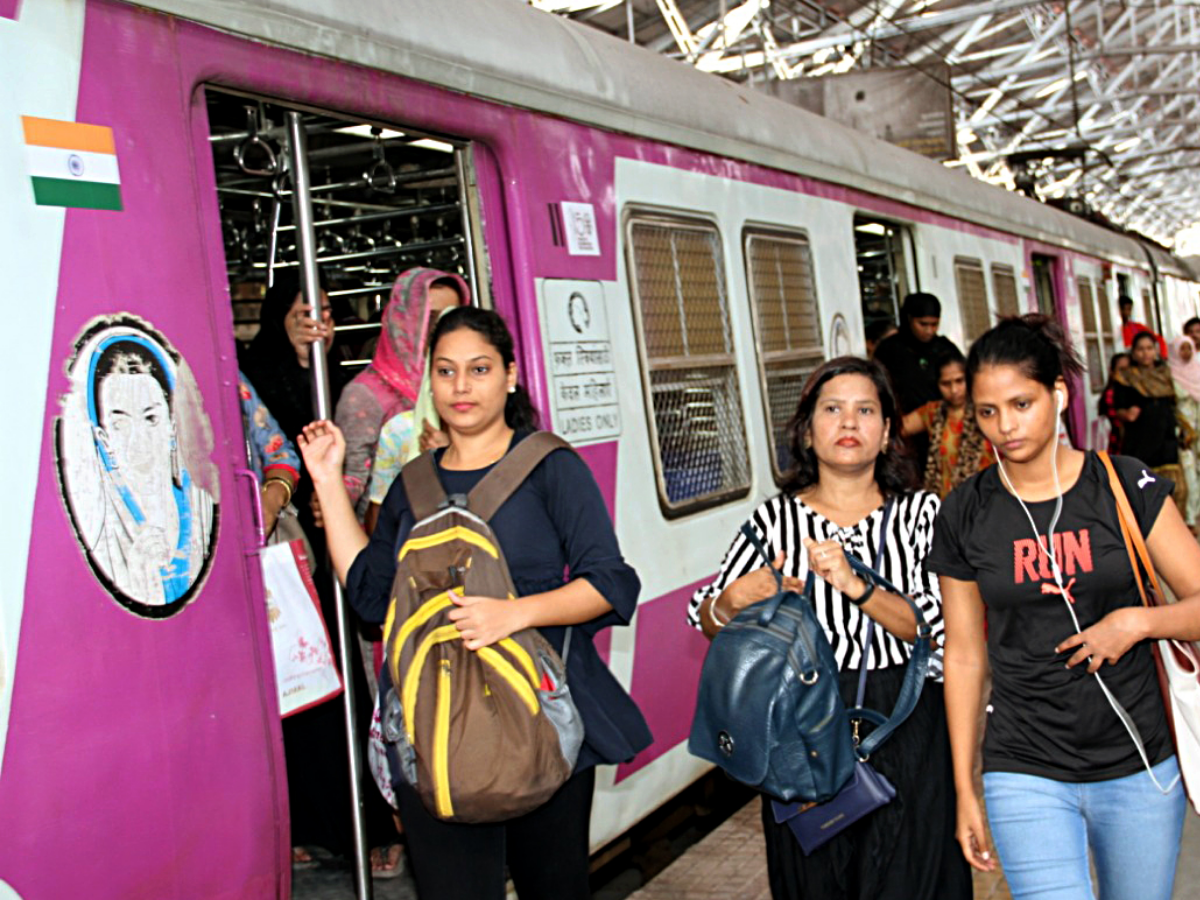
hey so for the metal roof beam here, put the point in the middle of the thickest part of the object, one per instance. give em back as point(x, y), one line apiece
point(1111, 52)
point(901, 27)
point(678, 26)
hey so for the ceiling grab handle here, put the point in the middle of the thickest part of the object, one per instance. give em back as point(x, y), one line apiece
point(306, 253)
point(251, 142)
point(380, 177)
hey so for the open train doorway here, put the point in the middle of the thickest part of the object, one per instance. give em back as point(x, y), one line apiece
point(380, 199)
point(882, 253)
point(1044, 278)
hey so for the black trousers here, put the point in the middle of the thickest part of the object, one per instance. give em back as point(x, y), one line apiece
point(546, 850)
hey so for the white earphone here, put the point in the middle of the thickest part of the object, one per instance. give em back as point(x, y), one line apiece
point(1058, 398)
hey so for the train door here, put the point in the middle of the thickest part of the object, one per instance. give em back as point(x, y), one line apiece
point(377, 200)
point(884, 265)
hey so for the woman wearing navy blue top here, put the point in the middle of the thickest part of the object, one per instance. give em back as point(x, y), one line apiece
point(555, 523)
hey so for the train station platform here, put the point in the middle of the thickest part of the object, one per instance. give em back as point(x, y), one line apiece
point(731, 864)
point(727, 864)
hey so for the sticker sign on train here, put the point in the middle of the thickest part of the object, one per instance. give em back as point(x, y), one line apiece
point(579, 357)
point(134, 446)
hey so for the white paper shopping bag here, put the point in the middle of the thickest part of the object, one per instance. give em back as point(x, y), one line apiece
point(305, 673)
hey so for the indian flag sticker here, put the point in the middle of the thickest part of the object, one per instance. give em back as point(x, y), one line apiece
point(72, 164)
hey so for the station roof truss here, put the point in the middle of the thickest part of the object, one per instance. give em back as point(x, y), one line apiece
point(1108, 90)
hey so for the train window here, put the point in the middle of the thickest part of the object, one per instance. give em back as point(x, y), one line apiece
point(787, 321)
point(1004, 286)
point(384, 199)
point(972, 297)
point(677, 281)
point(1092, 339)
point(882, 268)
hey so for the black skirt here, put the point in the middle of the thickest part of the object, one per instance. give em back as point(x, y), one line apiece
point(903, 851)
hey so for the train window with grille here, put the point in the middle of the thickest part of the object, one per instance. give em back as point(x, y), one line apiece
point(1092, 341)
point(972, 297)
point(1004, 286)
point(681, 303)
point(787, 323)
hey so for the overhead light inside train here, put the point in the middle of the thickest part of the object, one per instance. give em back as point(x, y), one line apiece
point(385, 134)
point(431, 144)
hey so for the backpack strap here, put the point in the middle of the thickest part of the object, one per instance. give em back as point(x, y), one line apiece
point(422, 486)
point(498, 485)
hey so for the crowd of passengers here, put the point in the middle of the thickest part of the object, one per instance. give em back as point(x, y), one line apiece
point(968, 452)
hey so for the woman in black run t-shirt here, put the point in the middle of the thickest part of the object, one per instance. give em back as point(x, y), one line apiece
point(1025, 550)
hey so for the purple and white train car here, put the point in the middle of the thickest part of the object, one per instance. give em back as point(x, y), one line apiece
point(674, 253)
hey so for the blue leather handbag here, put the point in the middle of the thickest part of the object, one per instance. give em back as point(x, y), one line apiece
point(769, 710)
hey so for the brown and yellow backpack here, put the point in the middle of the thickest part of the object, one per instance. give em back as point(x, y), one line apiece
point(482, 735)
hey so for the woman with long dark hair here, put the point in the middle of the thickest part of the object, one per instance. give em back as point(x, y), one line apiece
point(957, 448)
point(849, 460)
point(1037, 586)
point(555, 521)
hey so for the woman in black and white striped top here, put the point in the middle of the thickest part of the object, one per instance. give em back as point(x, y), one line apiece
point(786, 521)
point(849, 459)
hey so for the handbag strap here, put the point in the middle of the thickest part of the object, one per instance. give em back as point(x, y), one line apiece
point(918, 662)
point(771, 605)
point(1135, 544)
point(866, 653)
point(914, 674)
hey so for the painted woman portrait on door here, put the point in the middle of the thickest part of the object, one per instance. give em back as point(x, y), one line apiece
point(133, 453)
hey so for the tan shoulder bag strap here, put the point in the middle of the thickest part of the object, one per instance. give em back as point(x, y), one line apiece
point(498, 485)
point(1135, 545)
point(422, 486)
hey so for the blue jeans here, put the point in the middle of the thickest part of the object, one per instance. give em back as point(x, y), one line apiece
point(1043, 829)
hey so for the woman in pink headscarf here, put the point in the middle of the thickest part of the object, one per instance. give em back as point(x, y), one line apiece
point(1185, 372)
point(389, 385)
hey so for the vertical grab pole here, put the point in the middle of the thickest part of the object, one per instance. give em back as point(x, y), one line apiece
point(319, 367)
point(465, 173)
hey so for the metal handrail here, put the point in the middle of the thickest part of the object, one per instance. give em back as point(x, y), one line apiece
point(323, 409)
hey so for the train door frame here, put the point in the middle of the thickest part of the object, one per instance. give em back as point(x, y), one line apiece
point(1050, 291)
point(478, 271)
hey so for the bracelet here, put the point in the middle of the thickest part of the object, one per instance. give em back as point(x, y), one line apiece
point(866, 595)
point(287, 485)
point(712, 614)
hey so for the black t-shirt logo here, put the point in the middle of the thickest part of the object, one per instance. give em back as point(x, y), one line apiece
point(1073, 550)
point(1146, 479)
